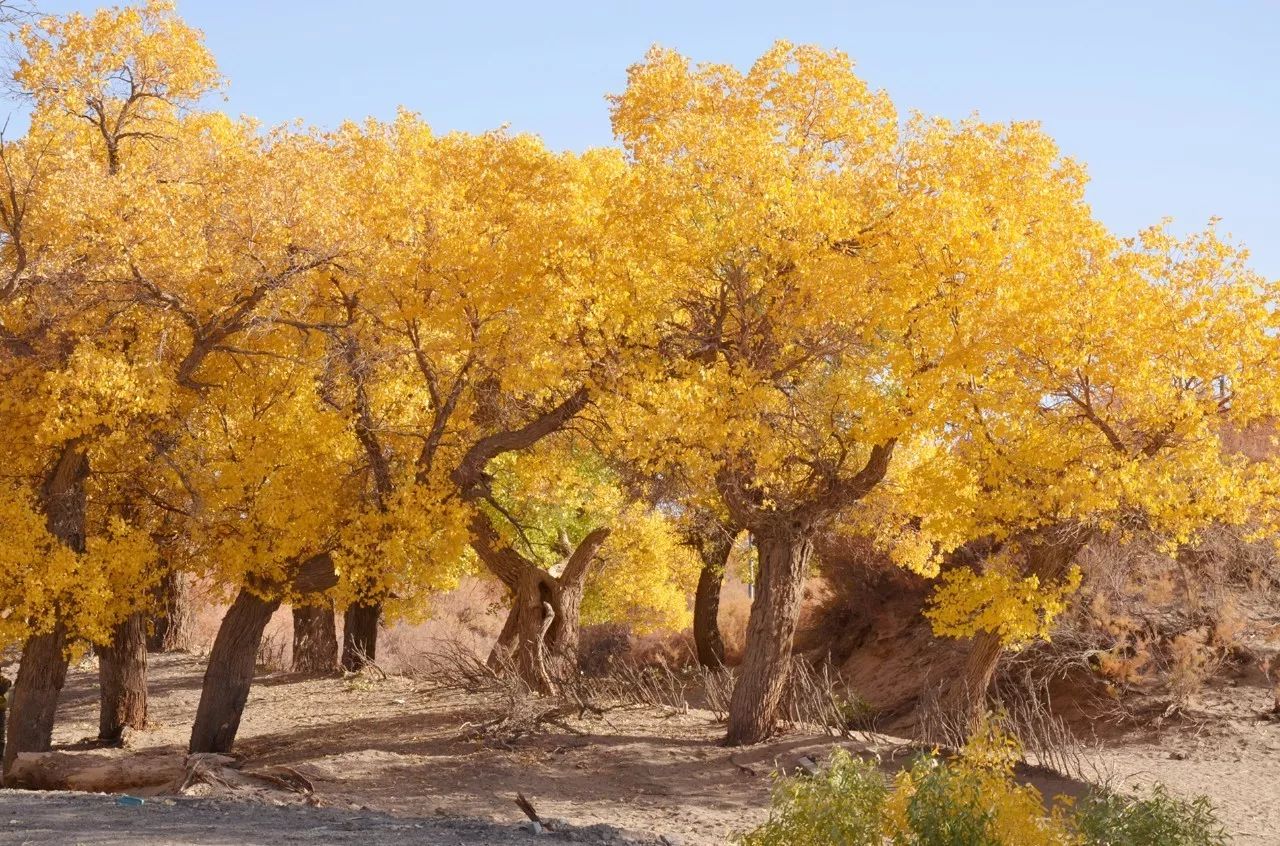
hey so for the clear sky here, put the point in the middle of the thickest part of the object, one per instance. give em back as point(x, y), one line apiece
point(1174, 106)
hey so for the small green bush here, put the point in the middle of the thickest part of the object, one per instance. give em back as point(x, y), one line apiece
point(843, 805)
point(1107, 818)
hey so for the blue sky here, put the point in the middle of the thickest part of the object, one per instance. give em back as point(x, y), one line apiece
point(1174, 106)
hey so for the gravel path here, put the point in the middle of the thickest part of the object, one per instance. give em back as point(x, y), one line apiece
point(87, 819)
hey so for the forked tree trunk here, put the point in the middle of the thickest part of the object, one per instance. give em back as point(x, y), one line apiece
point(235, 653)
point(172, 626)
point(230, 672)
point(539, 641)
point(122, 679)
point(34, 701)
point(315, 639)
point(762, 676)
point(360, 635)
point(707, 642)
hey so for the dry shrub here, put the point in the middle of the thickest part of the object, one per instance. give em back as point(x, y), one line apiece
point(273, 653)
point(603, 646)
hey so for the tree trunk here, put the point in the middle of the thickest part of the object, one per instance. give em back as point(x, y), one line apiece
point(122, 679)
point(315, 638)
point(708, 643)
point(1047, 555)
point(230, 672)
point(360, 635)
point(43, 670)
point(539, 641)
point(505, 647)
point(4, 703)
point(172, 627)
point(41, 675)
point(762, 676)
point(235, 653)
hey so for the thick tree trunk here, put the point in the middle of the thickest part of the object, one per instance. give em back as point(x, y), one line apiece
point(360, 636)
point(315, 638)
point(540, 638)
point(122, 679)
point(230, 672)
point(762, 676)
point(707, 642)
point(235, 653)
point(172, 627)
point(34, 700)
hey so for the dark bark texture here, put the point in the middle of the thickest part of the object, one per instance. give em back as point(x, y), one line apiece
point(33, 703)
point(122, 679)
point(771, 628)
point(172, 626)
point(234, 656)
point(315, 639)
point(360, 635)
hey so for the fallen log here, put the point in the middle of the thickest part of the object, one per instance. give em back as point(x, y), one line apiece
point(102, 771)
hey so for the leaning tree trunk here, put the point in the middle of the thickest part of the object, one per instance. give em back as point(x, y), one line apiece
point(43, 671)
point(41, 675)
point(122, 679)
point(172, 626)
point(315, 638)
point(762, 676)
point(230, 672)
point(234, 655)
point(360, 635)
point(707, 642)
point(1047, 557)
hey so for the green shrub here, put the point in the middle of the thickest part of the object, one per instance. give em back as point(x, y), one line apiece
point(1107, 818)
point(844, 805)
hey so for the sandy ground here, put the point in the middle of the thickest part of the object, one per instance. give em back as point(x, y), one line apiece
point(395, 761)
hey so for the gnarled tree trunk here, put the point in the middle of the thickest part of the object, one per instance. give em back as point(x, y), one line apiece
point(122, 679)
point(540, 638)
point(34, 701)
point(235, 651)
point(360, 635)
point(315, 638)
point(762, 676)
point(173, 624)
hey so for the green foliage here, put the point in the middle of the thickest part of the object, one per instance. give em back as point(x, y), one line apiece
point(843, 805)
point(1107, 818)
